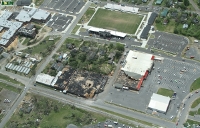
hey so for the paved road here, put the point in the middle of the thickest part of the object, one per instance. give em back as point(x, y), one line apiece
point(183, 115)
point(194, 5)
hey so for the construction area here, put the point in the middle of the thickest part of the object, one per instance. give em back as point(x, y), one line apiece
point(81, 83)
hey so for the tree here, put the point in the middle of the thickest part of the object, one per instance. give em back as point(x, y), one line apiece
point(186, 2)
point(56, 108)
point(111, 46)
point(118, 54)
point(120, 47)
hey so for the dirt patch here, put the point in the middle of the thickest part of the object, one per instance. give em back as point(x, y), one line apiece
point(6, 94)
point(13, 45)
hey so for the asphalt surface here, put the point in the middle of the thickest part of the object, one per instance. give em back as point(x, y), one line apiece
point(64, 6)
point(168, 42)
point(59, 22)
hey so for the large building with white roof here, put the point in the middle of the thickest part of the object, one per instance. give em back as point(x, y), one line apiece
point(159, 103)
point(137, 65)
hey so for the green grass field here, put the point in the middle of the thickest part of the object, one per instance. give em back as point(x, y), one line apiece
point(52, 114)
point(165, 92)
point(195, 103)
point(9, 87)
point(7, 78)
point(116, 20)
point(195, 85)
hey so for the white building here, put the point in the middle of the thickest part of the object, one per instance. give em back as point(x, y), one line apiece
point(137, 64)
point(159, 103)
point(45, 79)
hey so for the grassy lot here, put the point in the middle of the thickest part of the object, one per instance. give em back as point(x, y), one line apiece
point(7, 78)
point(192, 113)
point(52, 114)
point(167, 28)
point(165, 92)
point(86, 17)
point(44, 48)
point(9, 87)
point(25, 42)
point(190, 122)
point(38, 2)
point(124, 116)
point(195, 103)
point(75, 29)
point(76, 43)
point(195, 85)
point(116, 20)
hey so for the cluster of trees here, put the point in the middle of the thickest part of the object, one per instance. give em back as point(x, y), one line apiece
point(79, 59)
point(183, 5)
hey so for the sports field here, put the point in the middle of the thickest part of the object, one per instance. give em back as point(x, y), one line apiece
point(116, 20)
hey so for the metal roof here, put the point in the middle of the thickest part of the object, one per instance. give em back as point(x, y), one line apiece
point(159, 102)
point(145, 32)
point(12, 27)
point(41, 14)
point(23, 16)
point(152, 18)
point(137, 62)
point(44, 79)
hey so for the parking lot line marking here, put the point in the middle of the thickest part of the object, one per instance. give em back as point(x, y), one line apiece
point(69, 4)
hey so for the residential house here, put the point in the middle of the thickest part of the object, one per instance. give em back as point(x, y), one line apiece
point(174, 14)
point(70, 46)
point(57, 66)
point(159, 2)
point(195, 20)
point(164, 13)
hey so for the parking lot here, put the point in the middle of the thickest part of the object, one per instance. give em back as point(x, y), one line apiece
point(193, 51)
point(168, 42)
point(65, 6)
point(59, 22)
point(171, 74)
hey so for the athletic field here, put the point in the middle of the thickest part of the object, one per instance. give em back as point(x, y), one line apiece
point(116, 20)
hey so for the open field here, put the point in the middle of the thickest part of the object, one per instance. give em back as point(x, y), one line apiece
point(116, 20)
point(165, 92)
point(43, 48)
point(75, 29)
point(48, 113)
point(9, 87)
point(190, 122)
point(38, 2)
point(7, 78)
point(195, 103)
point(195, 85)
point(167, 28)
point(86, 17)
